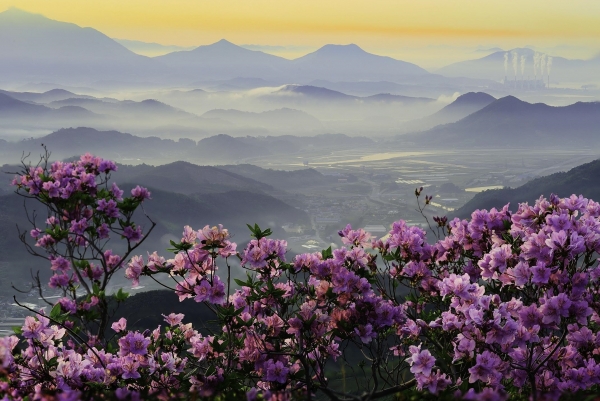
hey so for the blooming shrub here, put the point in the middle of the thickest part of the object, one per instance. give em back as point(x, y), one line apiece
point(503, 306)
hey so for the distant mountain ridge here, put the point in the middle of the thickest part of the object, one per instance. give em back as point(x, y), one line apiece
point(347, 62)
point(45, 97)
point(223, 60)
point(36, 48)
point(492, 67)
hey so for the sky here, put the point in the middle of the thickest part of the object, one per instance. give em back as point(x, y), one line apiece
point(426, 30)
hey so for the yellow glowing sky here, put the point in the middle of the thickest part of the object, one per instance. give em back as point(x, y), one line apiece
point(387, 27)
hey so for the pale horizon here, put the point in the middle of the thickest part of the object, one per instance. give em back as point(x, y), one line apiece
point(431, 34)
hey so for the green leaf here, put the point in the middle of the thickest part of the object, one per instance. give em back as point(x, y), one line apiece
point(53, 362)
point(18, 330)
point(121, 295)
point(55, 312)
point(327, 253)
point(257, 233)
point(183, 246)
point(240, 282)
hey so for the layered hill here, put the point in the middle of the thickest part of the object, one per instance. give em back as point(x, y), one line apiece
point(579, 180)
point(464, 105)
point(182, 194)
point(19, 113)
point(225, 147)
point(308, 93)
point(510, 122)
point(281, 120)
point(286, 180)
point(217, 149)
point(187, 178)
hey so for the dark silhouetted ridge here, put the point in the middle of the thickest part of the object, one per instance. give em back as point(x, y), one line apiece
point(579, 180)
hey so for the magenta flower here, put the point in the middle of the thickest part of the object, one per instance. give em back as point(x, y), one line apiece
point(130, 368)
point(134, 269)
point(140, 193)
point(530, 316)
point(109, 208)
point(133, 234)
point(116, 192)
point(486, 368)
point(521, 273)
point(133, 343)
point(32, 327)
point(555, 308)
point(217, 292)
point(276, 371)
point(174, 318)
point(365, 333)
point(119, 325)
point(202, 291)
point(541, 273)
point(421, 362)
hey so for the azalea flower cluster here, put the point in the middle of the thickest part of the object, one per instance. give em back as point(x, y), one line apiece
point(504, 306)
point(84, 212)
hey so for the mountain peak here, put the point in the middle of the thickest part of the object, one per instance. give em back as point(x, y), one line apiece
point(341, 49)
point(224, 42)
point(474, 97)
point(16, 14)
point(510, 99)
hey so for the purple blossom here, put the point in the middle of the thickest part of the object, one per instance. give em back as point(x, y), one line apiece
point(487, 368)
point(52, 188)
point(120, 325)
point(130, 367)
point(116, 192)
point(32, 327)
point(134, 269)
point(365, 333)
point(541, 273)
point(555, 308)
point(133, 234)
point(276, 371)
point(354, 237)
point(202, 291)
point(421, 362)
point(133, 343)
point(106, 166)
point(174, 318)
point(140, 193)
point(530, 316)
point(109, 208)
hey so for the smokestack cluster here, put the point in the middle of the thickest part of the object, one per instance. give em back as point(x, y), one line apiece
point(515, 60)
point(505, 66)
point(523, 71)
point(540, 60)
point(548, 67)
